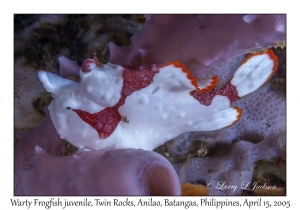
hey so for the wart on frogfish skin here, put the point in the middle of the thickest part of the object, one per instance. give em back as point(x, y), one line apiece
point(153, 112)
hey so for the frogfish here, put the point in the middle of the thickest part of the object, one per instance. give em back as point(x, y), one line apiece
point(117, 106)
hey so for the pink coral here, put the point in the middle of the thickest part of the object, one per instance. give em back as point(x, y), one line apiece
point(230, 171)
point(108, 172)
point(200, 42)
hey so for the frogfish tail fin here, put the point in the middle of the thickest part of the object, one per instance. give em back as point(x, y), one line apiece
point(254, 72)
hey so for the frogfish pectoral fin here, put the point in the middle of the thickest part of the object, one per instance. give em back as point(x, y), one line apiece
point(222, 119)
